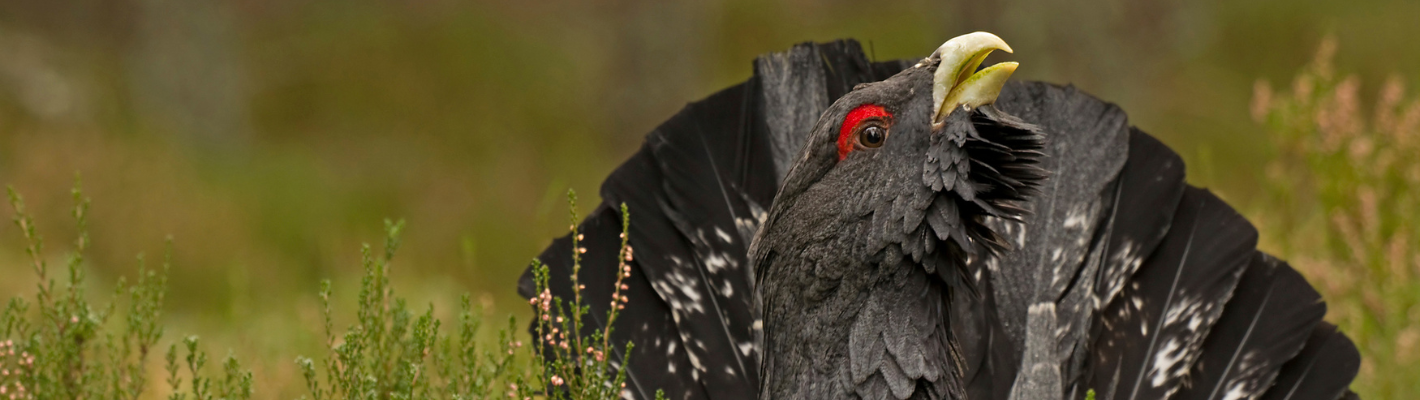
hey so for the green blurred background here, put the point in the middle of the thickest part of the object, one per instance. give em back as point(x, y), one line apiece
point(269, 138)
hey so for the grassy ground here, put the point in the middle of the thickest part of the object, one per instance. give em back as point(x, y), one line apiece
point(268, 138)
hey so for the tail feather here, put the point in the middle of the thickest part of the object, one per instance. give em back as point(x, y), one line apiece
point(1140, 206)
point(1086, 146)
point(1265, 324)
point(1321, 371)
point(1154, 332)
point(698, 270)
point(1087, 143)
point(1150, 188)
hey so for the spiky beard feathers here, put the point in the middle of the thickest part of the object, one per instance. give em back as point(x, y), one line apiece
point(980, 164)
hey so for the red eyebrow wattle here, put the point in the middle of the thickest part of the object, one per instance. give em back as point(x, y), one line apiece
point(845, 131)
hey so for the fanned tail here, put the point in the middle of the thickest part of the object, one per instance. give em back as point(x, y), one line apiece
point(1145, 288)
point(1122, 280)
point(1153, 332)
point(1264, 325)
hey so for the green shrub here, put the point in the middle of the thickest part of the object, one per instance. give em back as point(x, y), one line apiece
point(389, 353)
point(64, 348)
point(579, 367)
point(61, 347)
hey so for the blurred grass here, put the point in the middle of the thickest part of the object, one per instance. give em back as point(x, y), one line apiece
point(270, 138)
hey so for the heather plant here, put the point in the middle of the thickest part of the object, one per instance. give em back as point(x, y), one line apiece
point(1343, 197)
point(577, 367)
point(62, 347)
point(390, 353)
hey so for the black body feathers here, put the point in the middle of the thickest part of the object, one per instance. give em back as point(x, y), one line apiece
point(1121, 278)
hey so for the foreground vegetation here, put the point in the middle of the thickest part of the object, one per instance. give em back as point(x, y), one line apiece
point(67, 349)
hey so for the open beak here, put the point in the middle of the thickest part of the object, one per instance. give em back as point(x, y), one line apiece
point(957, 83)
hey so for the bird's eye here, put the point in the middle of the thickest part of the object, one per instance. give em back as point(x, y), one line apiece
point(872, 134)
point(864, 127)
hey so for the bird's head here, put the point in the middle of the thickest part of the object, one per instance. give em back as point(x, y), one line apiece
point(919, 160)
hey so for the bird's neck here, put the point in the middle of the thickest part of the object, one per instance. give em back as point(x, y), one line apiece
point(807, 333)
point(853, 331)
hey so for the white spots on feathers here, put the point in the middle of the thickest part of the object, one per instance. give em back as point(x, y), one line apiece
point(724, 237)
point(681, 287)
point(695, 362)
point(1071, 245)
point(1189, 309)
point(1187, 321)
point(748, 226)
point(1167, 363)
point(1079, 221)
point(1122, 264)
point(716, 262)
point(1250, 380)
point(1077, 217)
point(746, 348)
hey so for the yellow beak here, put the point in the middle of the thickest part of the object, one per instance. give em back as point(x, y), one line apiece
point(957, 83)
